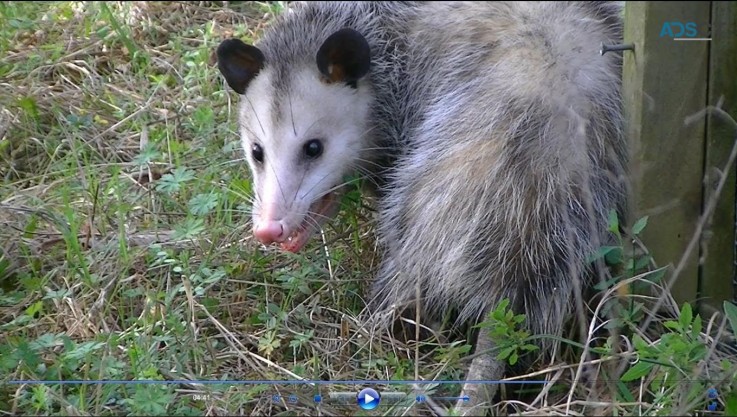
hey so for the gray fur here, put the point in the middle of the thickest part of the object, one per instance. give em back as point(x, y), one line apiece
point(503, 152)
point(514, 164)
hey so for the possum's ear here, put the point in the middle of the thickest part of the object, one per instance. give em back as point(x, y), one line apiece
point(344, 56)
point(239, 63)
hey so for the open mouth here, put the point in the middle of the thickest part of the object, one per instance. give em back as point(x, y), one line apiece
point(322, 210)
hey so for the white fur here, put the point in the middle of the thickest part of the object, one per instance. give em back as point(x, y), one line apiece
point(287, 185)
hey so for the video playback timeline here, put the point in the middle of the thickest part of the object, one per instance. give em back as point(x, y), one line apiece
point(370, 398)
point(316, 391)
point(366, 398)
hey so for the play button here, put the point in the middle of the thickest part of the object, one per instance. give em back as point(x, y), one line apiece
point(368, 399)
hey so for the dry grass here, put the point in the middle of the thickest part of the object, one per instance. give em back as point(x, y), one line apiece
point(125, 247)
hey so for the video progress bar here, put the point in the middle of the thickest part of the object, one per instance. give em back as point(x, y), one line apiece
point(390, 398)
point(259, 382)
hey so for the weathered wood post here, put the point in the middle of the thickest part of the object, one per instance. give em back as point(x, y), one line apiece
point(718, 246)
point(674, 72)
point(664, 81)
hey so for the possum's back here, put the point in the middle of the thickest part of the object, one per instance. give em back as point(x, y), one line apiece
point(515, 54)
point(515, 161)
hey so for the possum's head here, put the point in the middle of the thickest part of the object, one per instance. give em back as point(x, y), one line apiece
point(302, 129)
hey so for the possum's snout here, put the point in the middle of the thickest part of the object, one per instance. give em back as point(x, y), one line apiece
point(269, 231)
point(293, 237)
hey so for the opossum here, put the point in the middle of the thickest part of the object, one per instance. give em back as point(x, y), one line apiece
point(491, 133)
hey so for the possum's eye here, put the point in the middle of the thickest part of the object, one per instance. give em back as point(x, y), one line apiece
point(313, 148)
point(257, 152)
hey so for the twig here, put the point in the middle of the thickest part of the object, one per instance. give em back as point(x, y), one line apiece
point(238, 346)
point(705, 216)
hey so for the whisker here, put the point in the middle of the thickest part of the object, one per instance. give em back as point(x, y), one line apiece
point(338, 186)
point(247, 213)
point(291, 113)
point(296, 190)
point(310, 218)
point(365, 174)
point(232, 162)
point(319, 182)
point(377, 148)
point(370, 162)
point(246, 196)
point(313, 123)
point(250, 132)
point(255, 114)
point(278, 183)
point(367, 131)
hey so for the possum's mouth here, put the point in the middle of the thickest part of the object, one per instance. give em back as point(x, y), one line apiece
point(322, 210)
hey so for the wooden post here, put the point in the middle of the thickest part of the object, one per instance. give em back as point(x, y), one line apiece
point(664, 82)
point(717, 268)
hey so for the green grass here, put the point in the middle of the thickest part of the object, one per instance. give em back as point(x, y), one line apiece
point(125, 244)
point(126, 241)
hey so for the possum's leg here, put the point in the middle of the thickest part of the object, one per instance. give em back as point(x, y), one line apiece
point(483, 367)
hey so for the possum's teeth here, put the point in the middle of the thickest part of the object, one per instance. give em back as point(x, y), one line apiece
point(297, 240)
point(320, 212)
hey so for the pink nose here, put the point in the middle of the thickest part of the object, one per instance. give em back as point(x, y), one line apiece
point(269, 231)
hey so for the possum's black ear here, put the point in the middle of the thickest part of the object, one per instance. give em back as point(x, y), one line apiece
point(239, 63)
point(344, 56)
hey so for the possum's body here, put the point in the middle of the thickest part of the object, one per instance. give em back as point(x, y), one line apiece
point(491, 129)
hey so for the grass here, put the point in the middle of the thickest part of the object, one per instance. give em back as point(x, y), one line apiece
point(126, 254)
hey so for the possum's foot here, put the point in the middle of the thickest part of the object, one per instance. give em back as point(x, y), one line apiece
point(483, 368)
